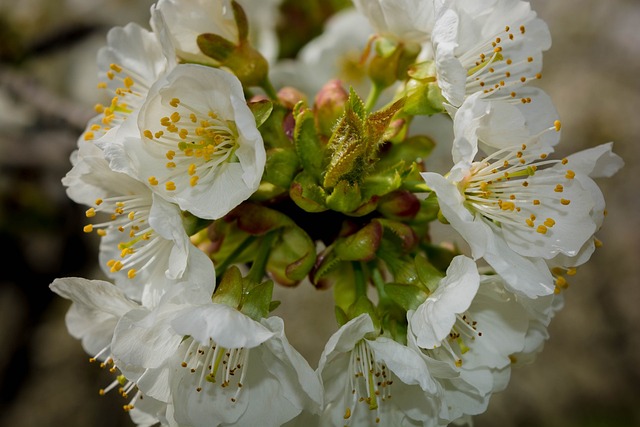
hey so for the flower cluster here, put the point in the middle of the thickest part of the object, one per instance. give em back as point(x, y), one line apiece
point(220, 169)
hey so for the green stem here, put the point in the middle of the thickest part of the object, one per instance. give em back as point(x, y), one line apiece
point(259, 267)
point(374, 94)
point(222, 267)
point(378, 281)
point(361, 283)
point(268, 88)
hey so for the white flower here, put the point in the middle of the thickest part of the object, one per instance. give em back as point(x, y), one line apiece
point(493, 47)
point(180, 22)
point(129, 64)
point(222, 367)
point(475, 334)
point(407, 20)
point(374, 380)
point(335, 54)
point(143, 246)
point(195, 143)
point(593, 163)
point(514, 207)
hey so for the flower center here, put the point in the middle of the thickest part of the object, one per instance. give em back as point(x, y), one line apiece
point(215, 364)
point(369, 381)
point(128, 215)
point(499, 188)
point(498, 65)
point(195, 143)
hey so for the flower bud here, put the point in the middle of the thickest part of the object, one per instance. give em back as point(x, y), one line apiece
point(329, 106)
point(290, 96)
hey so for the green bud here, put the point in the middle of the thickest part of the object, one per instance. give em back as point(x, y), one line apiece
point(362, 245)
point(289, 97)
point(345, 197)
point(400, 205)
point(308, 195)
point(328, 106)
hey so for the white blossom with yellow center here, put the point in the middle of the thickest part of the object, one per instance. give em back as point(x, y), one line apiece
point(129, 64)
point(376, 381)
point(195, 142)
point(144, 247)
point(516, 207)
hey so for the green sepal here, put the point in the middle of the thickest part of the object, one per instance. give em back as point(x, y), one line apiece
point(281, 166)
point(258, 220)
point(345, 197)
point(409, 297)
point(261, 110)
point(341, 316)
point(272, 129)
point(429, 275)
point(229, 290)
point(423, 98)
point(215, 46)
point(257, 301)
point(308, 195)
point(274, 305)
point(399, 205)
point(360, 246)
point(363, 305)
point(381, 183)
point(309, 149)
point(404, 233)
point(192, 224)
point(413, 149)
point(241, 21)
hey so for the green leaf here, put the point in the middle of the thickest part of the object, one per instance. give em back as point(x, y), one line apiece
point(307, 194)
point(292, 257)
point(345, 197)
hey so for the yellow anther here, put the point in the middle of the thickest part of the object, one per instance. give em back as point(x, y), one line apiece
point(561, 282)
point(153, 180)
point(148, 134)
point(170, 186)
point(101, 232)
point(110, 75)
point(117, 266)
point(541, 229)
point(183, 133)
point(539, 76)
point(509, 61)
point(497, 49)
point(506, 205)
point(530, 59)
point(543, 156)
point(529, 222)
point(88, 228)
point(175, 117)
point(557, 125)
point(194, 180)
point(565, 201)
point(597, 243)
point(570, 174)
point(171, 165)
point(128, 82)
point(115, 67)
point(88, 136)
point(102, 85)
point(572, 271)
point(193, 118)
point(513, 94)
point(98, 202)
point(525, 183)
point(507, 29)
point(522, 29)
point(170, 154)
point(192, 169)
point(90, 213)
point(131, 273)
point(174, 102)
point(99, 108)
point(559, 188)
point(549, 222)
point(158, 134)
point(131, 216)
point(523, 79)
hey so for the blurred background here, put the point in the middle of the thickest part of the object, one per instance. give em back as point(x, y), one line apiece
point(587, 375)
